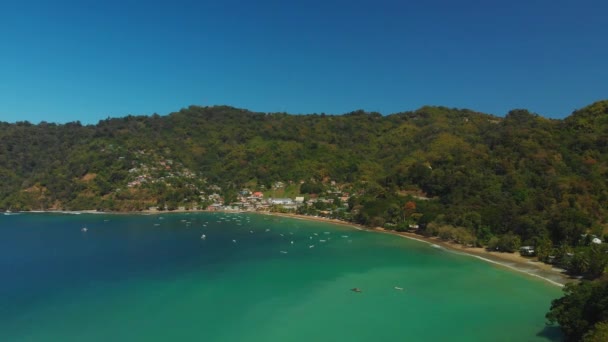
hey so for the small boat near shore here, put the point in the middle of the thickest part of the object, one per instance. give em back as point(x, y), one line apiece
point(9, 212)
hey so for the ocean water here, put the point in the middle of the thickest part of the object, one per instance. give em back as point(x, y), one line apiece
point(152, 278)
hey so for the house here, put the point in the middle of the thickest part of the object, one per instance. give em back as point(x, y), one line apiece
point(282, 201)
point(527, 251)
point(300, 199)
point(591, 239)
point(258, 194)
point(214, 207)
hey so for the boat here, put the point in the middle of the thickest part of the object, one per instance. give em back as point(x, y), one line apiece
point(398, 288)
point(356, 289)
point(203, 237)
point(84, 229)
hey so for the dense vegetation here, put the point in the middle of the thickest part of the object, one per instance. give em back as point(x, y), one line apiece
point(457, 174)
point(583, 312)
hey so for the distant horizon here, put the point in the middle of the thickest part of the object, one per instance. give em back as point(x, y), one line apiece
point(71, 61)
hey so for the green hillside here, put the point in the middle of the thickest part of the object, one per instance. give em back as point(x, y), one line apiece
point(540, 179)
point(460, 175)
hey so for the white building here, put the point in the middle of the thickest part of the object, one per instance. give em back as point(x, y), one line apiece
point(282, 201)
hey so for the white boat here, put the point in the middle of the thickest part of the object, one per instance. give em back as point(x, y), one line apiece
point(84, 229)
point(203, 237)
point(398, 288)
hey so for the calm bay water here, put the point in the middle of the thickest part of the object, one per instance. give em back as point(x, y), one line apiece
point(152, 278)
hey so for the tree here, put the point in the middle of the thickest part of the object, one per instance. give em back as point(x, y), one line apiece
point(582, 307)
point(599, 333)
point(408, 209)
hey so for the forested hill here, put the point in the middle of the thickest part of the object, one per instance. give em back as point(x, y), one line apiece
point(523, 173)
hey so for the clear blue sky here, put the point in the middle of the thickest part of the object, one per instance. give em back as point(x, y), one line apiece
point(86, 60)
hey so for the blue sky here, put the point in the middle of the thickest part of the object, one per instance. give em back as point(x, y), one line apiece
point(63, 61)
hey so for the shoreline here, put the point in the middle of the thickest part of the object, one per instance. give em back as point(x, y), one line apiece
point(512, 261)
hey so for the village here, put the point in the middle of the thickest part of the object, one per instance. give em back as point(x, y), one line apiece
point(331, 204)
point(248, 200)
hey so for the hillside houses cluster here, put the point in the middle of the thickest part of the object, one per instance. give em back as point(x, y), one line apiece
point(158, 170)
point(161, 171)
point(256, 201)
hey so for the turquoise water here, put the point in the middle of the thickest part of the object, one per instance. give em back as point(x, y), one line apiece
point(152, 278)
